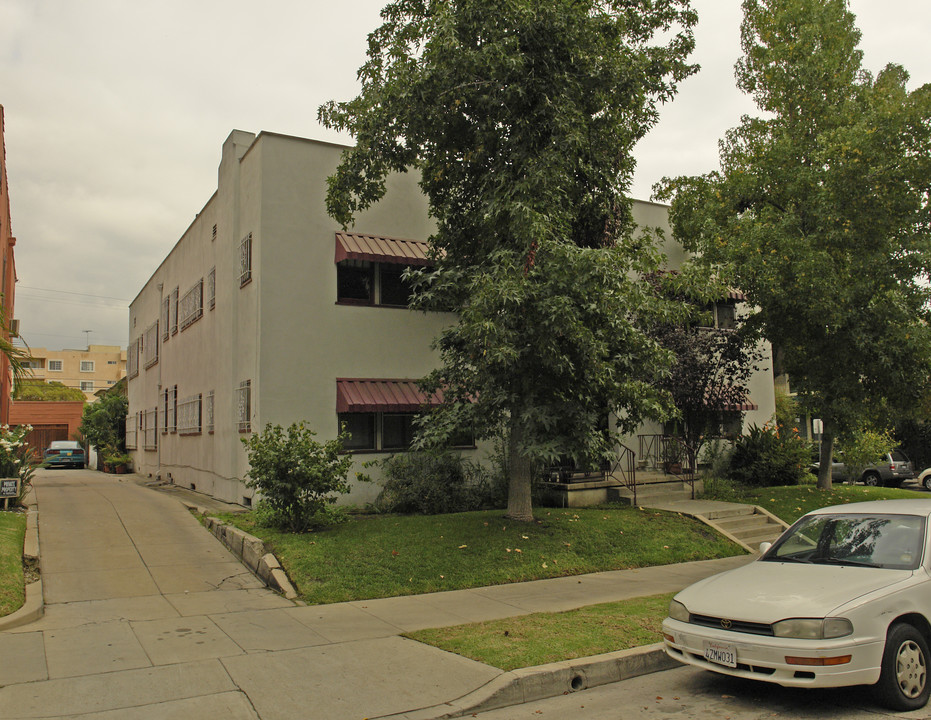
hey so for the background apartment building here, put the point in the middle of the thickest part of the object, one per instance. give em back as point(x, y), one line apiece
point(97, 368)
point(265, 311)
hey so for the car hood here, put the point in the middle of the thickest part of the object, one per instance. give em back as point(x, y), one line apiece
point(766, 592)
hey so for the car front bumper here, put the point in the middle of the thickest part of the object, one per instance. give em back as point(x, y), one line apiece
point(761, 657)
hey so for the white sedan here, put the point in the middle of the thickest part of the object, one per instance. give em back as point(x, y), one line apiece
point(842, 598)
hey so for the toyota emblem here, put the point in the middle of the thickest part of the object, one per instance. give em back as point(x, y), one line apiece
point(726, 624)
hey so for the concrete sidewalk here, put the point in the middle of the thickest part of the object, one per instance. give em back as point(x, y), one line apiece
point(147, 615)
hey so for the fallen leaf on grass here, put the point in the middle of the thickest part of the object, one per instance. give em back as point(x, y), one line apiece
point(463, 546)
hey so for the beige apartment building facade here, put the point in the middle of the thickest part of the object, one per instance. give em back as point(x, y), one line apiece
point(97, 368)
point(266, 311)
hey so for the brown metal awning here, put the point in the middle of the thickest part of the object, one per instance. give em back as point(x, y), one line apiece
point(740, 407)
point(736, 295)
point(353, 246)
point(357, 395)
point(744, 406)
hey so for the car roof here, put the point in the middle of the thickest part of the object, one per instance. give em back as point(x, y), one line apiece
point(917, 506)
point(65, 444)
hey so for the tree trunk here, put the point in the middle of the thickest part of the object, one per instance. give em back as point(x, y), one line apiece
point(827, 458)
point(519, 502)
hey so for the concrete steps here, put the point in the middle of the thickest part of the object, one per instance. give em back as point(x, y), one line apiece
point(747, 525)
point(654, 492)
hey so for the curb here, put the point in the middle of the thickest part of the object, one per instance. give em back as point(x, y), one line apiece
point(546, 681)
point(250, 550)
point(34, 606)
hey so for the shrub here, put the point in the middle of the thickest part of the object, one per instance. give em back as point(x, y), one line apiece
point(769, 456)
point(431, 483)
point(17, 460)
point(296, 476)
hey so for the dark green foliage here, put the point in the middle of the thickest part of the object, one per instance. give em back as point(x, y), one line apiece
point(768, 456)
point(47, 391)
point(820, 215)
point(431, 483)
point(296, 476)
point(521, 118)
point(104, 423)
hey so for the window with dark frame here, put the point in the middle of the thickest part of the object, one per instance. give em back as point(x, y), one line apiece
point(361, 427)
point(355, 282)
point(393, 290)
point(397, 431)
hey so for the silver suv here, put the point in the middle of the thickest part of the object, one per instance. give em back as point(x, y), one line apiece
point(891, 471)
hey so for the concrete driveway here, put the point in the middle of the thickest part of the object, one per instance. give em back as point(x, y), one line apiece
point(148, 616)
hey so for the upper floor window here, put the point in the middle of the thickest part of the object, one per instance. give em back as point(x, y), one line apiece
point(174, 311)
point(355, 282)
point(212, 288)
point(360, 282)
point(54, 365)
point(151, 348)
point(245, 260)
point(132, 359)
point(192, 304)
point(88, 365)
point(166, 318)
point(87, 386)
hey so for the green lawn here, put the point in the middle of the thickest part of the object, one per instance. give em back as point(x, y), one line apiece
point(374, 556)
point(790, 503)
point(549, 637)
point(542, 638)
point(12, 532)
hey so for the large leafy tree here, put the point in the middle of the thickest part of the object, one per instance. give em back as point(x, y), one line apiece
point(520, 117)
point(820, 214)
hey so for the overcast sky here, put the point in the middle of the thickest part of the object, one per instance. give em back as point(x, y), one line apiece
point(116, 111)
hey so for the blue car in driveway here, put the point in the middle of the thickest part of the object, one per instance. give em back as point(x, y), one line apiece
point(65, 453)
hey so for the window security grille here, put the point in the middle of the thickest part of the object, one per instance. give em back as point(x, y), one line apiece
point(174, 311)
point(54, 365)
point(87, 386)
point(130, 433)
point(245, 260)
point(150, 428)
point(87, 366)
point(189, 415)
point(244, 405)
point(151, 346)
point(208, 412)
point(212, 288)
point(192, 304)
point(166, 318)
point(132, 359)
point(172, 409)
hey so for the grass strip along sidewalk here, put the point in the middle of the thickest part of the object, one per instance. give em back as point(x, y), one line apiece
point(12, 589)
point(543, 638)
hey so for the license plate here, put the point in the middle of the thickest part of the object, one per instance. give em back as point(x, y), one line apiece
point(67, 453)
point(721, 654)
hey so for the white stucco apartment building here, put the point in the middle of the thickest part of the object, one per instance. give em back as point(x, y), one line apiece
point(266, 312)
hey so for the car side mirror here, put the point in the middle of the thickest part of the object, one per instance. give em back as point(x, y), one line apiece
point(764, 546)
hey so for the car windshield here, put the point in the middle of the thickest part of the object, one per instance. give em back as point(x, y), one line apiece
point(882, 541)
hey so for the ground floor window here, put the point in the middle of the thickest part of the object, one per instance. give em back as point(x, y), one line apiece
point(389, 431)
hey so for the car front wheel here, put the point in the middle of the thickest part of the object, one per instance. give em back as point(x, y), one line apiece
point(903, 681)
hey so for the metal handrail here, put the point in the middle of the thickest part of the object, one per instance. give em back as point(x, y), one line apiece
point(626, 465)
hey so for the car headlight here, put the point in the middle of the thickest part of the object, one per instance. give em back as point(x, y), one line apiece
point(678, 611)
point(813, 628)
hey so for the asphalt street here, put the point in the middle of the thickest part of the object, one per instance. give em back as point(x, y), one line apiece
point(686, 693)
